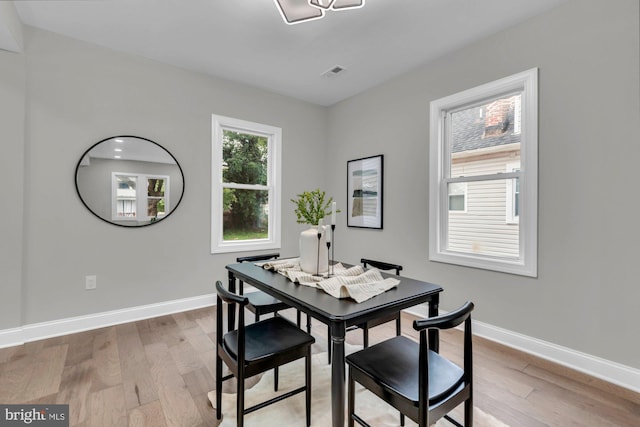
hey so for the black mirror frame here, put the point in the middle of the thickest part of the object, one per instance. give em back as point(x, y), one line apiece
point(122, 225)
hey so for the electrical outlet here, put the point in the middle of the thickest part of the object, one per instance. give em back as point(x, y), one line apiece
point(90, 282)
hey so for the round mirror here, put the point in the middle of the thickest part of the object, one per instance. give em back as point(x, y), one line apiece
point(129, 181)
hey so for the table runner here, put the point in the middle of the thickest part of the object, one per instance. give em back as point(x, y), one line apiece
point(353, 282)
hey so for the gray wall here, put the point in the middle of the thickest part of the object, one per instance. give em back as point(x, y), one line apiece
point(12, 124)
point(586, 296)
point(76, 94)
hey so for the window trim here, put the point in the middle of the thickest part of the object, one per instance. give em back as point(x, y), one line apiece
point(274, 173)
point(526, 263)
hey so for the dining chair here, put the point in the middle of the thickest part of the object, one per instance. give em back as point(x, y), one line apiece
point(249, 350)
point(418, 382)
point(380, 265)
point(262, 303)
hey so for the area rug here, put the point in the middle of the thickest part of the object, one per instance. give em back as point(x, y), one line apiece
point(291, 412)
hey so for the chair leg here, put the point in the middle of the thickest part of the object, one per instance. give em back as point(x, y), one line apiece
point(240, 402)
point(218, 387)
point(307, 375)
point(398, 333)
point(298, 318)
point(257, 317)
point(308, 324)
point(351, 404)
point(468, 413)
point(275, 378)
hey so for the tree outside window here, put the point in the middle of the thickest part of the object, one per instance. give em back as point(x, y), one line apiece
point(245, 158)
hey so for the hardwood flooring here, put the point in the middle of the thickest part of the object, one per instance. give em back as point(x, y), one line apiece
point(157, 373)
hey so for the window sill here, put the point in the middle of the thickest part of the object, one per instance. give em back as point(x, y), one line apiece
point(497, 264)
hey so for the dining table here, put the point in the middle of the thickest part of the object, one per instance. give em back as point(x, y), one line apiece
point(338, 313)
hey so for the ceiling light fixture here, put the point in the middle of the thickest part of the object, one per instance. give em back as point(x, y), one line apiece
point(296, 11)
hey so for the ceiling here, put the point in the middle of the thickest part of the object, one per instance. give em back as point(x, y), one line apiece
point(248, 42)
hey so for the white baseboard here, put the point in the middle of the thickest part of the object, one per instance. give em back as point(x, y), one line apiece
point(38, 331)
point(606, 370)
point(615, 373)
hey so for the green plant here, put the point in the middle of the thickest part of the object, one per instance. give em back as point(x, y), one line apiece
point(311, 206)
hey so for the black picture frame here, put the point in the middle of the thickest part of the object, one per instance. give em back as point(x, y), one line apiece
point(365, 192)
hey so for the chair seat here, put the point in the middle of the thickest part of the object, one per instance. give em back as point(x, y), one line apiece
point(394, 363)
point(264, 303)
point(267, 338)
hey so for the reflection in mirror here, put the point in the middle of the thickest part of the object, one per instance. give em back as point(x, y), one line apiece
point(129, 181)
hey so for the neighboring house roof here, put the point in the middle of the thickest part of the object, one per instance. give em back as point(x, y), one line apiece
point(473, 130)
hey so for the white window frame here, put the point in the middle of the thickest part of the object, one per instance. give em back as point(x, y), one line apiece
point(274, 173)
point(439, 175)
point(141, 196)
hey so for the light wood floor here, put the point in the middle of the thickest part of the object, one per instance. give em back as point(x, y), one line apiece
point(157, 372)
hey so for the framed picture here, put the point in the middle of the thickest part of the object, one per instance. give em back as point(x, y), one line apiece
point(364, 192)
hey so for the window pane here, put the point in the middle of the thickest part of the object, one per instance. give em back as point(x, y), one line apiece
point(126, 195)
point(457, 192)
point(246, 214)
point(483, 228)
point(155, 197)
point(155, 207)
point(456, 203)
point(155, 187)
point(244, 158)
point(483, 137)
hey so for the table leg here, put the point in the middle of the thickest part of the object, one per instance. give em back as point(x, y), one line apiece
point(337, 374)
point(434, 336)
point(231, 314)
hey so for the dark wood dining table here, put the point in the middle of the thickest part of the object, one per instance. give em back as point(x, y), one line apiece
point(338, 314)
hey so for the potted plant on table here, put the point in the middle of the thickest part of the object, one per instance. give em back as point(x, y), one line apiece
point(311, 208)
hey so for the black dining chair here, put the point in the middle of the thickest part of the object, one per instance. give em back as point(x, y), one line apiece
point(380, 265)
point(256, 348)
point(421, 384)
point(262, 303)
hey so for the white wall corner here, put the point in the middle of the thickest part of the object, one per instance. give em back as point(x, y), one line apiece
point(615, 373)
point(11, 37)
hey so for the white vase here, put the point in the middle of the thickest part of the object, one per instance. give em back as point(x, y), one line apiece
point(309, 260)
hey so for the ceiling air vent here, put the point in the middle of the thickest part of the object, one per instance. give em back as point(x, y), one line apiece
point(333, 71)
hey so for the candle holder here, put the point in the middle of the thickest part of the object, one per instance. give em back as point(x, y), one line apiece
point(333, 239)
point(330, 266)
point(318, 256)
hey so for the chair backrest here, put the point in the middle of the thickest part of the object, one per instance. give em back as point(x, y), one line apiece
point(233, 302)
point(445, 321)
point(254, 258)
point(381, 265)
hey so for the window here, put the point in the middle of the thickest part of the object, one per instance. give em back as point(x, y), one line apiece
point(135, 192)
point(245, 202)
point(513, 195)
point(458, 196)
point(483, 176)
